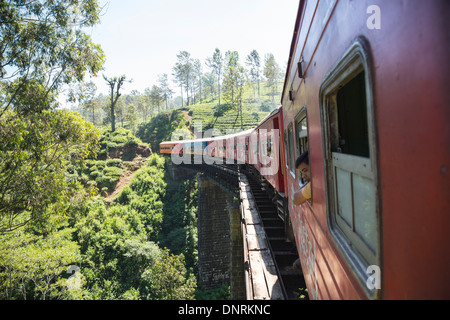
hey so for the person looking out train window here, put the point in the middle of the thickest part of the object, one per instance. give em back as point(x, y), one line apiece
point(304, 193)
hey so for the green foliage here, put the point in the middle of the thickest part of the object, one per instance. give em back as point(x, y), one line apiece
point(161, 128)
point(35, 71)
point(31, 265)
point(42, 47)
point(34, 154)
point(100, 173)
point(179, 226)
point(157, 161)
point(48, 221)
point(114, 163)
point(122, 137)
point(220, 293)
point(121, 257)
point(167, 279)
point(116, 245)
point(225, 118)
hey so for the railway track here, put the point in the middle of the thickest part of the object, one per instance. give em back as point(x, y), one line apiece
point(269, 255)
point(283, 253)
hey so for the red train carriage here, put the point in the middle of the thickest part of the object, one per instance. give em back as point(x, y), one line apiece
point(230, 148)
point(268, 150)
point(167, 147)
point(241, 141)
point(366, 92)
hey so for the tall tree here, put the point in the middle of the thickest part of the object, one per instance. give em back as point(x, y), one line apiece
point(143, 104)
point(197, 67)
point(254, 62)
point(209, 81)
point(86, 97)
point(92, 105)
point(120, 111)
point(183, 72)
point(166, 92)
point(177, 73)
point(131, 117)
point(272, 73)
point(216, 64)
point(156, 97)
point(234, 81)
point(114, 83)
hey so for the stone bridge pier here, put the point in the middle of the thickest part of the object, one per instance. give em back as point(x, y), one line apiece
point(220, 246)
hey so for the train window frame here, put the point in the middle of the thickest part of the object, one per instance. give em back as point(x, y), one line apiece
point(286, 155)
point(291, 151)
point(301, 115)
point(300, 148)
point(337, 165)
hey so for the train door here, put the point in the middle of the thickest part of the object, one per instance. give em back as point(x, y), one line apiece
point(351, 188)
point(278, 154)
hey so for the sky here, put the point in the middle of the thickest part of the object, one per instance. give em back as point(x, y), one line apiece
point(141, 38)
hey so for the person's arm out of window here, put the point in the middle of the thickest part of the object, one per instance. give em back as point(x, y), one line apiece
point(302, 195)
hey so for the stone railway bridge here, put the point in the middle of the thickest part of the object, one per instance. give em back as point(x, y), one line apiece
point(243, 234)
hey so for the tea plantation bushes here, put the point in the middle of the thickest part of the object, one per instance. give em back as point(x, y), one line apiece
point(102, 174)
point(120, 138)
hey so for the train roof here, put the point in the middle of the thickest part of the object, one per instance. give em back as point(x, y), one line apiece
point(228, 136)
point(293, 46)
point(274, 112)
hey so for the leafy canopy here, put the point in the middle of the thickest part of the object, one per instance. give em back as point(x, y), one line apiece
point(42, 47)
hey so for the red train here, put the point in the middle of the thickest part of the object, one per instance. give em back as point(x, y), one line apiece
point(366, 93)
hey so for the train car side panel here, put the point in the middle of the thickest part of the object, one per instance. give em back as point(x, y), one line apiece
point(407, 131)
point(412, 88)
point(269, 164)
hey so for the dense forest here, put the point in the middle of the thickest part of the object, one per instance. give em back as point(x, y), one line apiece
point(88, 209)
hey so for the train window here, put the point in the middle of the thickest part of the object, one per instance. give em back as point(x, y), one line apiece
point(255, 147)
point(286, 148)
point(291, 153)
point(301, 137)
point(269, 146)
point(350, 162)
point(352, 118)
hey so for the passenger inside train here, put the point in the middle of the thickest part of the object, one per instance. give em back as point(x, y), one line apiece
point(304, 193)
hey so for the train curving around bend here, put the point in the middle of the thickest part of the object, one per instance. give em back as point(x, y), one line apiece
point(367, 94)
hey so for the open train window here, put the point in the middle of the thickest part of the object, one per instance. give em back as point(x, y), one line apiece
point(350, 161)
point(301, 137)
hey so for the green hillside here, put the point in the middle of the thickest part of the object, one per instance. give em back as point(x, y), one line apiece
point(226, 117)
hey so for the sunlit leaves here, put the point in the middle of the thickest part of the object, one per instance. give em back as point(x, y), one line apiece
point(43, 44)
point(33, 156)
point(166, 279)
point(30, 266)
